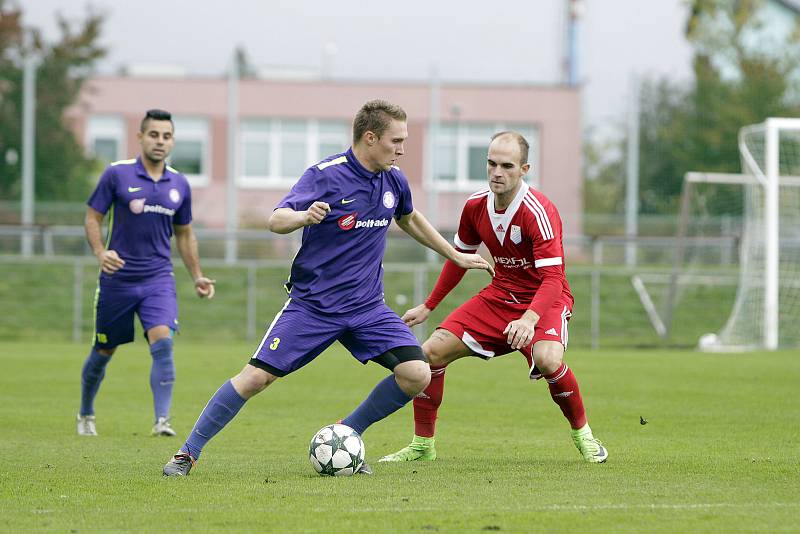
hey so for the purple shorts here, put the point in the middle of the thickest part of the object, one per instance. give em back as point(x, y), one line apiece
point(299, 334)
point(155, 301)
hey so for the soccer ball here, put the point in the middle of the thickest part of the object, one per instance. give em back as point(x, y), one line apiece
point(336, 450)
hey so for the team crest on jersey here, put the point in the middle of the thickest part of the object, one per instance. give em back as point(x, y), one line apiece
point(174, 195)
point(388, 199)
point(136, 205)
point(516, 234)
point(347, 222)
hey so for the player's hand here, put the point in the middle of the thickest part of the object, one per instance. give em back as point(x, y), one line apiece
point(416, 315)
point(472, 261)
point(110, 262)
point(520, 331)
point(316, 212)
point(204, 287)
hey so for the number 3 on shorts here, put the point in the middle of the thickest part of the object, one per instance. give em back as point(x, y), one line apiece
point(275, 342)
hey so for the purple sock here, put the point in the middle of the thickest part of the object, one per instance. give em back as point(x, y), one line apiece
point(94, 369)
point(384, 400)
point(219, 411)
point(162, 376)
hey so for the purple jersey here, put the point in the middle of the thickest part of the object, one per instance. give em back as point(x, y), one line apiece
point(141, 214)
point(338, 267)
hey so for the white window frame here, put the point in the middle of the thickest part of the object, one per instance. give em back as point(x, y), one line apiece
point(464, 140)
point(195, 128)
point(106, 126)
point(275, 179)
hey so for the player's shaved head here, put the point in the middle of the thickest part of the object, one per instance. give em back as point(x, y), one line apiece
point(375, 116)
point(524, 147)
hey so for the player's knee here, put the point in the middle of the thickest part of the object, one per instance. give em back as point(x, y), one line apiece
point(106, 352)
point(435, 354)
point(412, 376)
point(548, 356)
point(251, 381)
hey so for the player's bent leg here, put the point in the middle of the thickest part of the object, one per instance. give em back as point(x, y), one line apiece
point(442, 348)
point(408, 364)
point(220, 410)
point(548, 357)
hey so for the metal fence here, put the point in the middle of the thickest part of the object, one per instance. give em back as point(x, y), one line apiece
point(616, 304)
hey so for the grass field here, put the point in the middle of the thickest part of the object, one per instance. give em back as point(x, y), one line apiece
point(719, 454)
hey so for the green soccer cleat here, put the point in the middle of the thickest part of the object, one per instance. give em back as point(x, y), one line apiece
point(420, 448)
point(589, 446)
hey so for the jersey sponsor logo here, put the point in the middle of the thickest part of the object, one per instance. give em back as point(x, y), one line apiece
point(516, 234)
point(388, 199)
point(348, 200)
point(372, 223)
point(134, 189)
point(347, 222)
point(174, 195)
point(512, 263)
point(137, 207)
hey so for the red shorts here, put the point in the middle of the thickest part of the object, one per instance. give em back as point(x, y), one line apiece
point(480, 322)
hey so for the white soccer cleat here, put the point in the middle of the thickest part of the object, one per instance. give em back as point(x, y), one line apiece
point(163, 428)
point(86, 425)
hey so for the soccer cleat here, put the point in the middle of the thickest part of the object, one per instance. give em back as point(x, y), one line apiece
point(420, 448)
point(365, 469)
point(163, 428)
point(86, 425)
point(179, 466)
point(589, 446)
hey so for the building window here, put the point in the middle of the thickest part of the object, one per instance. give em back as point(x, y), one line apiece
point(105, 138)
point(191, 154)
point(276, 152)
point(460, 154)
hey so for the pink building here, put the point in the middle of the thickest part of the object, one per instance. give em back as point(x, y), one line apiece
point(286, 126)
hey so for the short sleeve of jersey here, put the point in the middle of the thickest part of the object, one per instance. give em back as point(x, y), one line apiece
point(103, 195)
point(404, 203)
point(304, 193)
point(184, 213)
point(467, 237)
point(545, 227)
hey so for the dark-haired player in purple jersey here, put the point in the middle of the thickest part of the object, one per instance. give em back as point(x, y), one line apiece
point(344, 205)
point(146, 201)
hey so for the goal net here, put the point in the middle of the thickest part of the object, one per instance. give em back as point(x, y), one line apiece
point(742, 231)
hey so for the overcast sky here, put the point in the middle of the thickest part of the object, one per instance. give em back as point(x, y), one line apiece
point(468, 40)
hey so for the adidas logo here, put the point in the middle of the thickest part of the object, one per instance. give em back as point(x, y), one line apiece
point(422, 395)
point(499, 228)
point(563, 394)
point(551, 332)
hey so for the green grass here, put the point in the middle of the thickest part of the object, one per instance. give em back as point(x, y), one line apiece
point(719, 454)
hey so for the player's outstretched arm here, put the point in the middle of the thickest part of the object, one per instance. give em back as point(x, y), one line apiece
point(417, 226)
point(187, 246)
point(109, 261)
point(286, 220)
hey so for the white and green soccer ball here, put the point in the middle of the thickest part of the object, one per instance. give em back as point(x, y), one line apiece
point(336, 450)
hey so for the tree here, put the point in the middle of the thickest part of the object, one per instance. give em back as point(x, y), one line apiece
point(62, 169)
point(739, 78)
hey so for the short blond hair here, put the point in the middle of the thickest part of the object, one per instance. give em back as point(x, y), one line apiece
point(375, 116)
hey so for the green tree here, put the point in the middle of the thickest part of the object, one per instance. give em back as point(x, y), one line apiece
point(737, 80)
point(62, 169)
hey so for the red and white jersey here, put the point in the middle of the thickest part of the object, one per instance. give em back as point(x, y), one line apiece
point(525, 241)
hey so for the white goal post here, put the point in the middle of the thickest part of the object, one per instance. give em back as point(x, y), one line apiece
point(768, 293)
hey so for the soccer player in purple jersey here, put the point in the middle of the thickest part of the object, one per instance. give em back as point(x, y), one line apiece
point(146, 201)
point(344, 206)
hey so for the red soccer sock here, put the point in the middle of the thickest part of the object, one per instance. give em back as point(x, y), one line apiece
point(426, 404)
point(565, 392)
